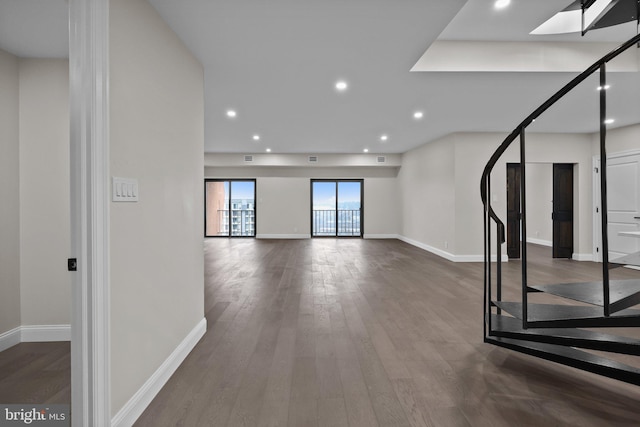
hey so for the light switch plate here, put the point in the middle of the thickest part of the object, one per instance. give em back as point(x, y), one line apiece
point(124, 189)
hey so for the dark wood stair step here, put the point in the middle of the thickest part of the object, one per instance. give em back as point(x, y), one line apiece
point(510, 327)
point(570, 316)
point(622, 293)
point(571, 357)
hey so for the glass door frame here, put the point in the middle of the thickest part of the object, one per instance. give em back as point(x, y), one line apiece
point(255, 207)
point(337, 181)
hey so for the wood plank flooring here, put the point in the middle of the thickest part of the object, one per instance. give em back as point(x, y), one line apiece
point(38, 373)
point(353, 332)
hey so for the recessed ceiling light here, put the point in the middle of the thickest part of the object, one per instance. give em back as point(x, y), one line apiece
point(384, 137)
point(501, 4)
point(231, 113)
point(418, 115)
point(609, 121)
point(256, 137)
point(341, 85)
point(268, 150)
point(366, 150)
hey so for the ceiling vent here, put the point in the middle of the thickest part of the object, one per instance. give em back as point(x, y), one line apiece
point(382, 159)
point(313, 159)
point(248, 158)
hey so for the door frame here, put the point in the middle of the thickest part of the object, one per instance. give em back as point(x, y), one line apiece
point(89, 200)
point(337, 180)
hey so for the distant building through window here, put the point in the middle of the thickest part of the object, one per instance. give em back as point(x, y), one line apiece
point(230, 208)
point(337, 208)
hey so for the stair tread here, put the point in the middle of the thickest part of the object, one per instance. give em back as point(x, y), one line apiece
point(559, 312)
point(571, 357)
point(512, 327)
point(620, 291)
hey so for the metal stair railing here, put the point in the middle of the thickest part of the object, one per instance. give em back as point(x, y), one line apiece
point(490, 216)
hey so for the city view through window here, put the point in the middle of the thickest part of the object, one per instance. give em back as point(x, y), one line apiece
point(337, 208)
point(230, 208)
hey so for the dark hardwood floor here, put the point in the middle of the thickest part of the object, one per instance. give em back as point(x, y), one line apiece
point(37, 373)
point(352, 332)
point(370, 332)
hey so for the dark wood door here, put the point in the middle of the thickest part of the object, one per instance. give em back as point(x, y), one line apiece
point(562, 215)
point(513, 210)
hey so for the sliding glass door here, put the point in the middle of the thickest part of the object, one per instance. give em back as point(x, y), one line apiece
point(336, 208)
point(230, 208)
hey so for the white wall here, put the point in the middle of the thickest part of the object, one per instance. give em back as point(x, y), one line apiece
point(381, 207)
point(156, 136)
point(284, 193)
point(9, 194)
point(440, 187)
point(283, 207)
point(539, 178)
point(472, 151)
point(541, 148)
point(44, 192)
point(427, 195)
point(621, 139)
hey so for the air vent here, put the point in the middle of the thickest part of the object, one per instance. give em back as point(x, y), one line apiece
point(248, 159)
point(382, 159)
point(313, 159)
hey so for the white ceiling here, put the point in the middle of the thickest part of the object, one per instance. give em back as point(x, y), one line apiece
point(276, 63)
point(34, 28)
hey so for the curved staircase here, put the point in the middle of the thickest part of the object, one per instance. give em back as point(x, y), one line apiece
point(561, 331)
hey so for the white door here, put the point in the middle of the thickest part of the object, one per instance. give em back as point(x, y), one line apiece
point(623, 204)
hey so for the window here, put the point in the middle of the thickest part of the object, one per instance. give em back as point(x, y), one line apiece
point(230, 208)
point(336, 208)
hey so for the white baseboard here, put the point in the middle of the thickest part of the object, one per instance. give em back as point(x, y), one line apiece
point(283, 236)
point(380, 236)
point(130, 412)
point(34, 333)
point(447, 255)
point(540, 242)
point(45, 333)
point(582, 257)
point(10, 338)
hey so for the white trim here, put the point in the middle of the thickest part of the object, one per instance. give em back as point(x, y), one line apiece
point(283, 236)
point(582, 257)
point(89, 169)
point(620, 154)
point(10, 338)
point(380, 236)
point(449, 256)
point(45, 333)
point(427, 248)
point(540, 242)
point(596, 228)
point(34, 333)
point(141, 399)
